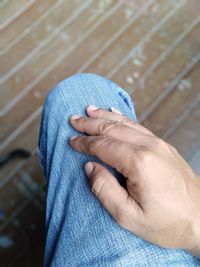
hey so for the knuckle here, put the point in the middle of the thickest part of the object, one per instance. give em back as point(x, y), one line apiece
point(107, 126)
point(155, 142)
point(144, 156)
point(125, 120)
point(161, 144)
point(98, 141)
point(94, 140)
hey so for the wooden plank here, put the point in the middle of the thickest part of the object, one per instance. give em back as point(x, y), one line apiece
point(49, 26)
point(133, 33)
point(24, 23)
point(10, 9)
point(151, 54)
point(166, 72)
point(185, 132)
point(175, 103)
point(136, 34)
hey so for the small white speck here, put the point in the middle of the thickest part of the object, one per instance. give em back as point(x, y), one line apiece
point(129, 80)
point(184, 85)
point(136, 74)
point(37, 94)
point(137, 62)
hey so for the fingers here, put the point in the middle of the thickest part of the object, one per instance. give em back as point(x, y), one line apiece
point(113, 128)
point(116, 116)
point(111, 194)
point(115, 153)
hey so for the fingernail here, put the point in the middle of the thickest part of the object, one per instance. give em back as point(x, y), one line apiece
point(91, 107)
point(73, 137)
point(75, 117)
point(116, 111)
point(89, 167)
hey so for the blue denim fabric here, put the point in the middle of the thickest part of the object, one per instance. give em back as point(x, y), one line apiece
point(80, 232)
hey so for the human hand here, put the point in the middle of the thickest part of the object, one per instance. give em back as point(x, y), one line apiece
point(162, 200)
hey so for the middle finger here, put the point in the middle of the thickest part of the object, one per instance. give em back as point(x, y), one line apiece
point(112, 128)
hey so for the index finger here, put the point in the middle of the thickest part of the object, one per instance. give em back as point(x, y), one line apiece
point(115, 153)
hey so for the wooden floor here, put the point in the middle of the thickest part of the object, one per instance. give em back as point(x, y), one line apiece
point(150, 47)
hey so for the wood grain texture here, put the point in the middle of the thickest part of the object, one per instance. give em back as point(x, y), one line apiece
point(150, 48)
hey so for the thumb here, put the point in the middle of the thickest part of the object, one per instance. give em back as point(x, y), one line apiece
point(110, 193)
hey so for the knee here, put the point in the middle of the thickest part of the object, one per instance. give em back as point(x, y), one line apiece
point(73, 87)
point(78, 89)
point(73, 92)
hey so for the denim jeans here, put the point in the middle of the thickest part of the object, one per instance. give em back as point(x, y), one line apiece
point(79, 231)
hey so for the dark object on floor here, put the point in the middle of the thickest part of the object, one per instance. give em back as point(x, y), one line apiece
point(19, 153)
